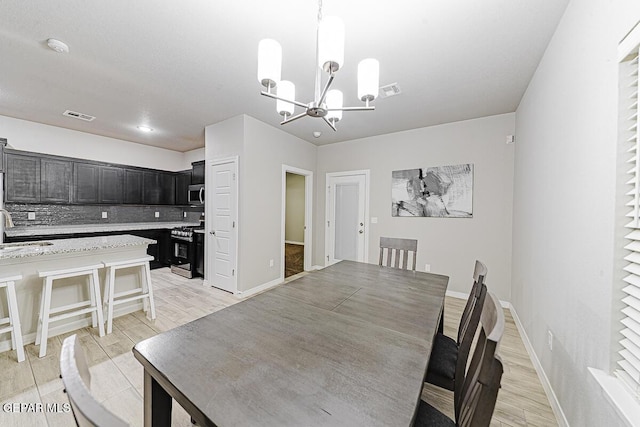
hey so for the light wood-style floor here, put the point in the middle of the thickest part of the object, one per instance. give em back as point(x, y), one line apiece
point(117, 377)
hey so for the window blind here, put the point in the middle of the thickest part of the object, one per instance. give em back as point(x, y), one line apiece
point(629, 363)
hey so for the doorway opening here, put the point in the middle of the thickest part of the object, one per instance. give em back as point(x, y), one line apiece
point(297, 192)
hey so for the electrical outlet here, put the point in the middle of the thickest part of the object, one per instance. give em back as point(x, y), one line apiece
point(104, 215)
point(157, 214)
point(31, 215)
point(550, 339)
point(270, 263)
point(184, 214)
point(374, 220)
point(427, 268)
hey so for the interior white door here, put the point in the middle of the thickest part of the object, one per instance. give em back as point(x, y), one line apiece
point(346, 225)
point(222, 231)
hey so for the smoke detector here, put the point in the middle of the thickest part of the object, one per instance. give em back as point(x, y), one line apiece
point(58, 46)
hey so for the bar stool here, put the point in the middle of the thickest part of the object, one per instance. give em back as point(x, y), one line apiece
point(145, 291)
point(93, 305)
point(8, 283)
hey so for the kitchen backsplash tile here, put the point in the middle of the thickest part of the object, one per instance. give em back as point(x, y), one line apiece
point(49, 215)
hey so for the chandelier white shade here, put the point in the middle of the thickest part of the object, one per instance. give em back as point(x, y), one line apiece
point(368, 78)
point(330, 43)
point(334, 106)
point(269, 62)
point(327, 104)
point(286, 90)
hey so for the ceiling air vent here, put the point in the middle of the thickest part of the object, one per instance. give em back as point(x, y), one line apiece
point(80, 116)
point(390, 90)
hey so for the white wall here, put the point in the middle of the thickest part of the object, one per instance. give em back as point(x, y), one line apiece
point(262, 150)
point(564, 197)
point(294, 207)
point(40, 138)
point(449, 245)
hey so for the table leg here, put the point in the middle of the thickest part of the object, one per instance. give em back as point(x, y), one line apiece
point(157, 403)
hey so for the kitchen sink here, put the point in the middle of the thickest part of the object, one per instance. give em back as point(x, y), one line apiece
point(8, 247)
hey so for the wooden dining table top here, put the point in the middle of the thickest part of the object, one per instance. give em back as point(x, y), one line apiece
point(345, 345)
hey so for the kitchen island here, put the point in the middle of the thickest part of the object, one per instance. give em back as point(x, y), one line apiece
point(28, 258)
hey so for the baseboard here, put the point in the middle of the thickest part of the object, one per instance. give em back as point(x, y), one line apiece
point(259, 288)
point(292, 242)
point(462, 295)
point(546, 385)
point(316, 267)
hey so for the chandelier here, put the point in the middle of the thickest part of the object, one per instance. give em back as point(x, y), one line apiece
point(327, 104)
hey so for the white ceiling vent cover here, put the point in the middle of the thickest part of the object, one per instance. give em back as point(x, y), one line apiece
point(80, 116)
point(390, 90)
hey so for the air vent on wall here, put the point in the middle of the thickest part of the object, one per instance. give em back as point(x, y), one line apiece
point(80, 116)
point(390, 90)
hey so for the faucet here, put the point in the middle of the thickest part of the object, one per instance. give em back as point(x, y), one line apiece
point(7, 218)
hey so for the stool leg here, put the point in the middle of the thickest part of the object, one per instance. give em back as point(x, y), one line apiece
point(92, 297)
point(39, 324)
point(95, 285)
point(16, 334)
point(147, 273)
point(111, 283)
point(46, 306)
point(145, 288)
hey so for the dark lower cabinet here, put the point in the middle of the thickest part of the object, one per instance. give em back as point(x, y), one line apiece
point(199, 254)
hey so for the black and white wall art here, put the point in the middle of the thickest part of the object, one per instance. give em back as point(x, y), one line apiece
point(438, 191)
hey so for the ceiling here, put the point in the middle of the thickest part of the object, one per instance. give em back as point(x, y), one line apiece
point(180, 66)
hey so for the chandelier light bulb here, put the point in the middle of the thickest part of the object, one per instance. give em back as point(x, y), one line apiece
point(334, 100)
point(331, 44)
point(269, 62)
point(286, 90)
point(368, 79)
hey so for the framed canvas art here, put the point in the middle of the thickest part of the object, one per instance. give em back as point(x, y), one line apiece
point(437, 191)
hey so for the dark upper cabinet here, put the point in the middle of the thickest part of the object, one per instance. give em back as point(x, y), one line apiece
point(110, 184)
point(85, 182)
point(183, 180)
point(133, 186)
point(22, 178)
point(55, 180)
point(197, 176)
point(159, 188)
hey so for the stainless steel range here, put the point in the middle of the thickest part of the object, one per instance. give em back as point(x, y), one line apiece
point(183, 255)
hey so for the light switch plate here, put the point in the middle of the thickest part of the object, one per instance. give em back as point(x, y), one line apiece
point(157, 214)
point(374, 220)
point(31, 215)
point(104, 215)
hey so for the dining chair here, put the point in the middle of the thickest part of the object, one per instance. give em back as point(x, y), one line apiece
point(76, 378)
point(398, 248)
point(449, 357)
point(475, 404)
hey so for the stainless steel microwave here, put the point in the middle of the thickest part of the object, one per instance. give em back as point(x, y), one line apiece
point(196, 194)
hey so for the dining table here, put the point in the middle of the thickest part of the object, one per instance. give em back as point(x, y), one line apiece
point(346, 345)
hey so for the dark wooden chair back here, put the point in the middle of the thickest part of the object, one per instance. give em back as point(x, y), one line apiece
point(479, 275)
point(395, 250)
point(77, 380)
point(476, 401)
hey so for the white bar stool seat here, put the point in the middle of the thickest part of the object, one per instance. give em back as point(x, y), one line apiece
point(93, 305)
point(144, 292)
point(13, 320)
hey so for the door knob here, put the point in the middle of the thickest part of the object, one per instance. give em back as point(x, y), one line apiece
point(360, 231)
point(213, 233)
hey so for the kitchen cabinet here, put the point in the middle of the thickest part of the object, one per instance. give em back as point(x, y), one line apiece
point(197, 176)
point(55, 184)
point(110, 184)
point(159, 188)
point(22, 178)
point(132, 186)
point(85, 183)
point(183, 180)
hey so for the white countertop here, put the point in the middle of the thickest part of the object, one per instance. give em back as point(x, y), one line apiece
point(92, 228)
point(67, 246)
